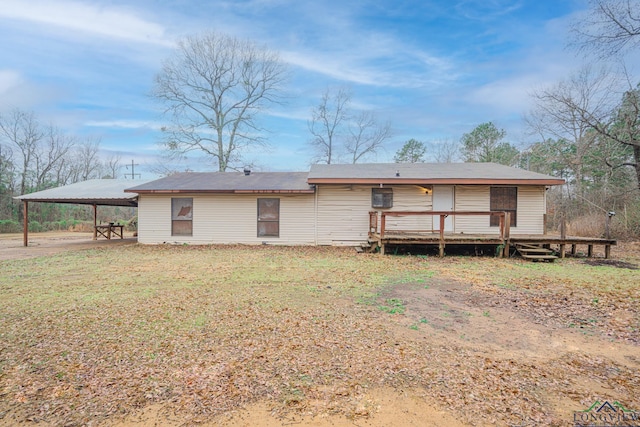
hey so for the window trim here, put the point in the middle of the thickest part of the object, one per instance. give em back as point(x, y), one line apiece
point(268, 221)
point(186, 218)
point(494, 221)
point(385, 196)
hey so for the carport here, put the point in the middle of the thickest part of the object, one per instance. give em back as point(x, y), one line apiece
point(94, 192)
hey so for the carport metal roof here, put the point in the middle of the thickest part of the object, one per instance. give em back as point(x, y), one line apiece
point(94, 192)
point(100, 192)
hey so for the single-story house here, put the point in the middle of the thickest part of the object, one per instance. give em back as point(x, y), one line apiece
point(331, 204)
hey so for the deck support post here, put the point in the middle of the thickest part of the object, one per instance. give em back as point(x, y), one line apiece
point(590, 251)
point(441, 245)
point(573, 249)
point(25, 223)
point(607, 251)
point(506, 234)
point(563, 236)
point(95, 222)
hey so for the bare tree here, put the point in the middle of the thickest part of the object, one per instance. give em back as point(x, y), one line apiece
point(611, 28)
point(6, 168)
point(82, 163)
point(447, 151)
point(588, 105)
point(366, 136)
point(557, 115)
point(112, 166)
point(22, 130)
point(326, 122)
point(49, 154)
point(213, 87)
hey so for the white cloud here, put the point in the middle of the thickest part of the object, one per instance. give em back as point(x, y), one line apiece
point(18, 92)
point(87, 18)
point(124, 124)
point(486, 9)
point(9, 79)
point(397, 72)
point(508, 95)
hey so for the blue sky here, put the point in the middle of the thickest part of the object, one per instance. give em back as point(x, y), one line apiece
point(434, 68)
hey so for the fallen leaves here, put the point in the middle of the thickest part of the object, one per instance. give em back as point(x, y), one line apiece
point(207, 330)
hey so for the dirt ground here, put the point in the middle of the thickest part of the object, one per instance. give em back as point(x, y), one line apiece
point(45, 244)
point(481, 323)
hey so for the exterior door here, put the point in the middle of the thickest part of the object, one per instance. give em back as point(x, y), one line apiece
point(443, 201)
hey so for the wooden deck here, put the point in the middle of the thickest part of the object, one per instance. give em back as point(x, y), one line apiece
point(382, 237)
point(568, 243)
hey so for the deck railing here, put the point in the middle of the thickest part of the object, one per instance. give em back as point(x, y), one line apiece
point(504, 226)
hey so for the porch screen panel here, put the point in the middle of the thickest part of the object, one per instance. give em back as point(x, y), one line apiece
point(268, 217)
point(182, 217)
point(504, 199)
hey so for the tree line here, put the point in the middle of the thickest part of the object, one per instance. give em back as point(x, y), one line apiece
point(36, 156)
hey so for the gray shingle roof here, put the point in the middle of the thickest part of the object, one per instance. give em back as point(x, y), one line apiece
point(105, 192)
point(426, 172)
point(231, 182)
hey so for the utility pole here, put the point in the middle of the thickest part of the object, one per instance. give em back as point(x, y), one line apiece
point(132, 174)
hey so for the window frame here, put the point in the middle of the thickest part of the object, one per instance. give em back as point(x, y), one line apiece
point(179, 222)
point(263, 222)
point(382, 198)
point(501, 201)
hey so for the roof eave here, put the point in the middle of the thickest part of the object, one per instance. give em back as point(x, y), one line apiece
point(309, 191)
point(132, 202)
point(423, 181)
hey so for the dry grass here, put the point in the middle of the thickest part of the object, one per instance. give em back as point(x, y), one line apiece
point(88, 335)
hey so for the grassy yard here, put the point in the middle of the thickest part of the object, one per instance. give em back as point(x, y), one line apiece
point(86, 336)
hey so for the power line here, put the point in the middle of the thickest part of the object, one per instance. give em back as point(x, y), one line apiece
point(132, 174)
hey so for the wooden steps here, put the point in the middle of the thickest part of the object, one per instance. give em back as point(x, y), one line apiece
point(535, 252)
point(368, 247)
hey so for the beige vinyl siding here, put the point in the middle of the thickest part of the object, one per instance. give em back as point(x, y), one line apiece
point(227, 218)
point(154, 219)
point(530, 217)
point(473, 198)
point(343, 211)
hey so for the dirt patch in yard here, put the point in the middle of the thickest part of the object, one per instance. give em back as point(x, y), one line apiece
point(611, 263)
point(501, 325)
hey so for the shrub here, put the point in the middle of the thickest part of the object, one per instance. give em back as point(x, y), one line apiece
point(10, 226)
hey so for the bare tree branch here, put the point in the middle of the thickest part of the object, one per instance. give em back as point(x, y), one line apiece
point(366, 136)
point(611, 28)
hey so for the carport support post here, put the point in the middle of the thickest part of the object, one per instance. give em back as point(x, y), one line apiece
point(95, 222)
point(25, 223)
